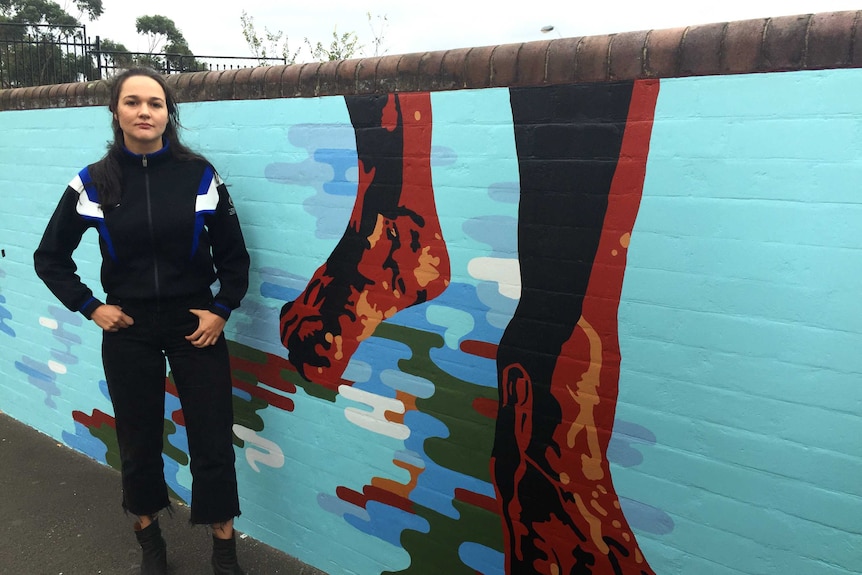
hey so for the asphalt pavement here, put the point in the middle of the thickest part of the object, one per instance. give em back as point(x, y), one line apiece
point(61, 515)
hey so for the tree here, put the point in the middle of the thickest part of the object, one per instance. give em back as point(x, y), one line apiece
point(179, 57)
point(159, 30)
point(43, 43)
point(45, 12)
point(115, 55)
point(163, 32)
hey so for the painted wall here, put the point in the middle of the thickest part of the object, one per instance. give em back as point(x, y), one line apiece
point(482, 285)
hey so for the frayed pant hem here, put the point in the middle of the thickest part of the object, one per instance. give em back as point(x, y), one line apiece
point(167, 507)
point(195, 521)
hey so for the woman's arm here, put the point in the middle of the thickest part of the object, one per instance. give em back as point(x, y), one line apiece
point(230, 256)
point(53, 258)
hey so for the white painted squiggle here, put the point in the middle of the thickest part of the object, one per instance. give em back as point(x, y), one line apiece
point(374, 420)
point(503, 271)
point(272, 456)
point(56, 366)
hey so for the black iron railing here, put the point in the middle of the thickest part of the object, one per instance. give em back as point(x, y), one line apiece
point(37, 55)
point(32, 55)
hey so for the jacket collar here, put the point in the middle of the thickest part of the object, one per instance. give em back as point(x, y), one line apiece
point(149, 159)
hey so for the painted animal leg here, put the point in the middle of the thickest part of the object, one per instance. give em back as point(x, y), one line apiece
point(582, 154)
point(392, 254)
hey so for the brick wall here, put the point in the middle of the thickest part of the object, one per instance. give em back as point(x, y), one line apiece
point(805, 42)
point(623, 336)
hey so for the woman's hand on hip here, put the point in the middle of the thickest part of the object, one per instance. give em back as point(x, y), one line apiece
point(209, 329)
point(111, 318)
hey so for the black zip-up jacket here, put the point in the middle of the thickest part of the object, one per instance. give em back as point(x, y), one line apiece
point(174, 232)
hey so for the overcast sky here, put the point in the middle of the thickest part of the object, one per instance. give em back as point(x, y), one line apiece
point(213, 28)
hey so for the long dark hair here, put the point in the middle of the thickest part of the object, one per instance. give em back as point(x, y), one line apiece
point(106, 173)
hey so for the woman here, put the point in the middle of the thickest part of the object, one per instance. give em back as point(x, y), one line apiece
point(167, 231)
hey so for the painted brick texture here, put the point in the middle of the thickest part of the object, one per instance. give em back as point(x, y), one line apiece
point(623, 336)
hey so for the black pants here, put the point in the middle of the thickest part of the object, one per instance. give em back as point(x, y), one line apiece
point(134, 361)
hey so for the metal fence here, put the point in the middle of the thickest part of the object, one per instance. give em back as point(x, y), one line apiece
point(37, 55)
point(34, 55)
point(108, 62)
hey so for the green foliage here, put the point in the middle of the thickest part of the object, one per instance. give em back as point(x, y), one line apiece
point(162, 31)
point(179, 57)
point(93, 8)
point(340, 47)
point(48, 12)
point(36, 12)
point(159, 30)
point(30, 32)
point(269, 46)
point(115, 55)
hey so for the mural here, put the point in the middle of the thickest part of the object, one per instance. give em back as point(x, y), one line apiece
point(555, 330)
point(551, 475)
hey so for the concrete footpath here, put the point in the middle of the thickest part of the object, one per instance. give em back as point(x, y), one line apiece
point(61, 515)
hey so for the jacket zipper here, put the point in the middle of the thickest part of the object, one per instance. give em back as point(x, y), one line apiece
point(152, 234)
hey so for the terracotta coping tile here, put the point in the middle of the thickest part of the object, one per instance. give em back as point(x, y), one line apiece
point(62, 93)
point(830, 40)
point(407, 75)
point(224, 86)
point(430, 66)
point(243, 89)
point(626, 60)
point(856, 50)
point(477, 67)
point(784, 43)
point(366, 75)
point(30, 98)
point(195, 89)
point(272, 82)
point(531, 64)
point(182, 84)
point(52, 98)
point(308, 79)
point(74, 92)
point(173, 79)
point(210, 86)
point(591, 60)
point(452, 69)
point(743, 42)
point(6, 99)
point(386, 74)
point(345, 76)
point(326, 82)
point(701, 50)
point(663, 49)
point(290, 81)
point(96, 93)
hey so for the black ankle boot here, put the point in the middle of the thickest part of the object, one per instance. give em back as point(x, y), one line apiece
point(224, 557)
point(154, 560)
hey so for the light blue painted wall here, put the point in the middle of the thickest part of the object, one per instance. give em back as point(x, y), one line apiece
point(740, 325)
point(739, 319)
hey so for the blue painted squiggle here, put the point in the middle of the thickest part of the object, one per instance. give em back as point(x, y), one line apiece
point(4, 315)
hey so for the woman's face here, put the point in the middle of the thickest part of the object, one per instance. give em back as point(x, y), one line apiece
point(142, 113)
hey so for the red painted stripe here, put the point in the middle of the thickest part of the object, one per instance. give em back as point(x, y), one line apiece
point(479, 348)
